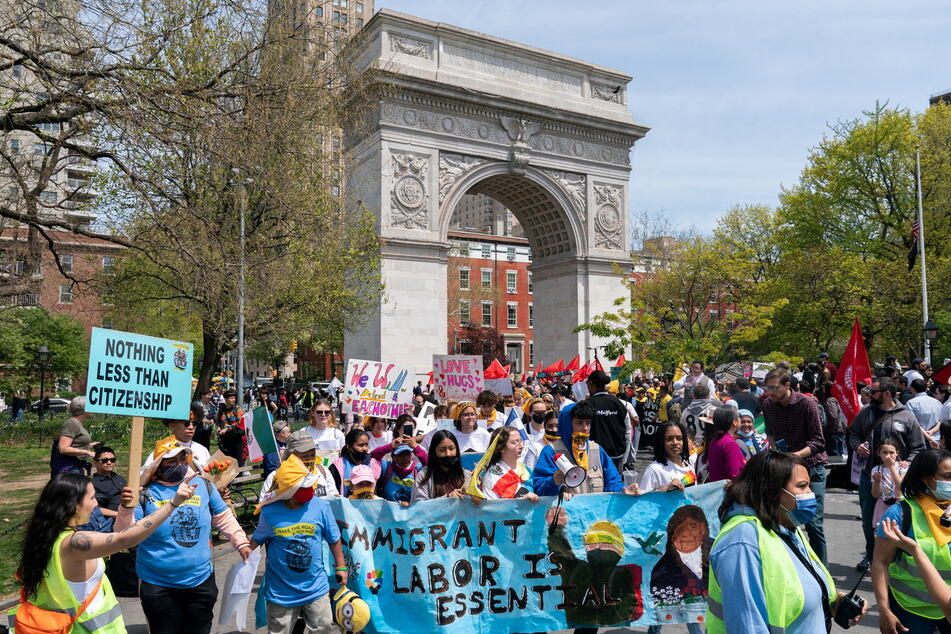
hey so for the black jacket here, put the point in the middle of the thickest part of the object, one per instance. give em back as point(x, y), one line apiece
point(609, 425)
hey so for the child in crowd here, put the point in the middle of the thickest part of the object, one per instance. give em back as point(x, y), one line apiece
point(886, 478)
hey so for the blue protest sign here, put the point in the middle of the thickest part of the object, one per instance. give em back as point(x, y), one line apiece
point(447, 566)
point(470, 460)
point(135, 375)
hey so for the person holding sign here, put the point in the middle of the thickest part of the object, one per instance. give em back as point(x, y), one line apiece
point(471, 437)
point(764, 575)
point(673, 466)
point(443, 475)
point(601, 476)
point(73, 447)
point(294, 526)
point(174, 564)
point(501, 475)
point(63, 569)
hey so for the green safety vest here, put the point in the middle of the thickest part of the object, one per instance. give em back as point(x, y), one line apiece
point(784, 596)
point(905, 580)
point(55, 595)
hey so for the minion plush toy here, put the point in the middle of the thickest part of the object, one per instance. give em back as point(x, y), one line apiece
point(350, 611)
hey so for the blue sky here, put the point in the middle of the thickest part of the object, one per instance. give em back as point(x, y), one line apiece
point(735, 92)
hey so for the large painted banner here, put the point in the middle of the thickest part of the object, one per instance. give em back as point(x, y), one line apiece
point(448, 566)
point(457, 377)
point(377, 389)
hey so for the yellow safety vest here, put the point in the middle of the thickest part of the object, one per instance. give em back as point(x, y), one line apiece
point(784, 596)
point(905, 580)
point(55, 595)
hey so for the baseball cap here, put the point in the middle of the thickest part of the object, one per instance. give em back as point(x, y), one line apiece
point(300, 441)
point(746, 412)
point(398, 450)
point(279, 425)
point(361, 473)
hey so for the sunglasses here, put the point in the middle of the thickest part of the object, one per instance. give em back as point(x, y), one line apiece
point(322, 412)
point(190, 423)
point(107, 460)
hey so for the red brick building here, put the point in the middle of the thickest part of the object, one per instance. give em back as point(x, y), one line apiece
point(489, 283)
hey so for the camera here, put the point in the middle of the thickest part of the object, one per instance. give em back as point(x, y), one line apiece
point(849, 608)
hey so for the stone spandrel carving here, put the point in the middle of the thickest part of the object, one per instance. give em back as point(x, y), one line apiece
point(608, 222)
point(575, 186)
point(409, 199)
point(411, 46)
point(606, 93)
point(451, 167)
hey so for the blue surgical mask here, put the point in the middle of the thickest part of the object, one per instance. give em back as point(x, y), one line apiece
point(941, 490)
point(744, 434)
point(806, 507)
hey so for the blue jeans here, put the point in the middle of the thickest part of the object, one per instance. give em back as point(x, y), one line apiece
point(917, 624)
point(836, 444)
point(867, 504)
point(814, 529)
point(693, 628)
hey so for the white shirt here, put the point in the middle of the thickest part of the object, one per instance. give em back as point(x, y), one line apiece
point(691, 381)
point(385, 439)
point(913, 374)
point(492, 423)
point(533, 447)
point(657, 475)
point(946, 410)
point(477, 441)
point(327, 439)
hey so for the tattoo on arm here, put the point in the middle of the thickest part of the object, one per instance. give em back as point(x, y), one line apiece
point(80, 542)
point(110, 538)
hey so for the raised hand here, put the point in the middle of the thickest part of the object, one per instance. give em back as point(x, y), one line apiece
point(185, 490)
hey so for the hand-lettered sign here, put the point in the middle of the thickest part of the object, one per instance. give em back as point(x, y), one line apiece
point(375, 388)
point(448, 566)
point(457, 377)
point(136, 375)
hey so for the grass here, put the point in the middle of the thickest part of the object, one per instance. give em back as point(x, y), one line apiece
point(24, 470)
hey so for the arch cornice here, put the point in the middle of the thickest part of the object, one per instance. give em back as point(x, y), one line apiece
point(485, 169)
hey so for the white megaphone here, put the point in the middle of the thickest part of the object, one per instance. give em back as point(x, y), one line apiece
point(574, 475)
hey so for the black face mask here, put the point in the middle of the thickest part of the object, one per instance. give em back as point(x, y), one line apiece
point(359, 457)
point(539, 417)
point(447, 461)
point(172, 473)
point(601, 558)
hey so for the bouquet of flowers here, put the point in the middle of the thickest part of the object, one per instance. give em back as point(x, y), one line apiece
point(220, 470)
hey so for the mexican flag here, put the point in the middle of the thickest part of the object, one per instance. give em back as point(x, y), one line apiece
point(257, 424)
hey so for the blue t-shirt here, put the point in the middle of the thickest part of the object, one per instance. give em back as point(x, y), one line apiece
point(178, 553)
point(294, 574)
point(398, 488)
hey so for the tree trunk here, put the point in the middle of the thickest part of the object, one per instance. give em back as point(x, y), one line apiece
point(211, 352)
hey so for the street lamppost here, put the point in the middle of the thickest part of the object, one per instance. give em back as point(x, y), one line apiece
point(931, 333)
point(42, 358)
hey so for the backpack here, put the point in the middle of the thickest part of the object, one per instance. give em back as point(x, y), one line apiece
point(31, 619)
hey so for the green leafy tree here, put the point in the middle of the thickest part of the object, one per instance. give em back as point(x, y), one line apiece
point(23, 331)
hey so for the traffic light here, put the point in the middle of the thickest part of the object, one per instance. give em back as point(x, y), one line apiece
point(293, 345)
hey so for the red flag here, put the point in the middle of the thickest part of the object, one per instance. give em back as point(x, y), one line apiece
point(853, 368)
point(575, 364)
point(495, 371)
point(943, 375)
point(538, 368)
point(524, 373)
point(583, 373)
point(620, 362)
point(508, 369)
point(430, 374)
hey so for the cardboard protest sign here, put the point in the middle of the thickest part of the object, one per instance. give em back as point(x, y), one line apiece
point(135, 375)
point(457, 377)
point(447, 566)
point(373, 388)
point(502, 387)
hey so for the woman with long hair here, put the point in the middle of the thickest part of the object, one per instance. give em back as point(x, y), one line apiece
point(355, 452)
point(60, 567)
point(322, 426)
point(380, 436)
point(673, 466)
point(723, 457)
point(443, 475)
point(501, 474)
point(764, 575)
point(901, 592)
point(679, 579)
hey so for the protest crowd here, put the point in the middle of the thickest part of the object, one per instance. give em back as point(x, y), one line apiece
point(769, 442)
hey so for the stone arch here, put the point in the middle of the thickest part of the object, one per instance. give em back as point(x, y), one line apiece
point(548, 216)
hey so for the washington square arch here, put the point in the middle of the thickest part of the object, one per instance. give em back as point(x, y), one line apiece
point(460, 112)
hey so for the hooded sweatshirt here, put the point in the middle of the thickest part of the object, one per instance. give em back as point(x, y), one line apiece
point(874, 425)
point(542, 481)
